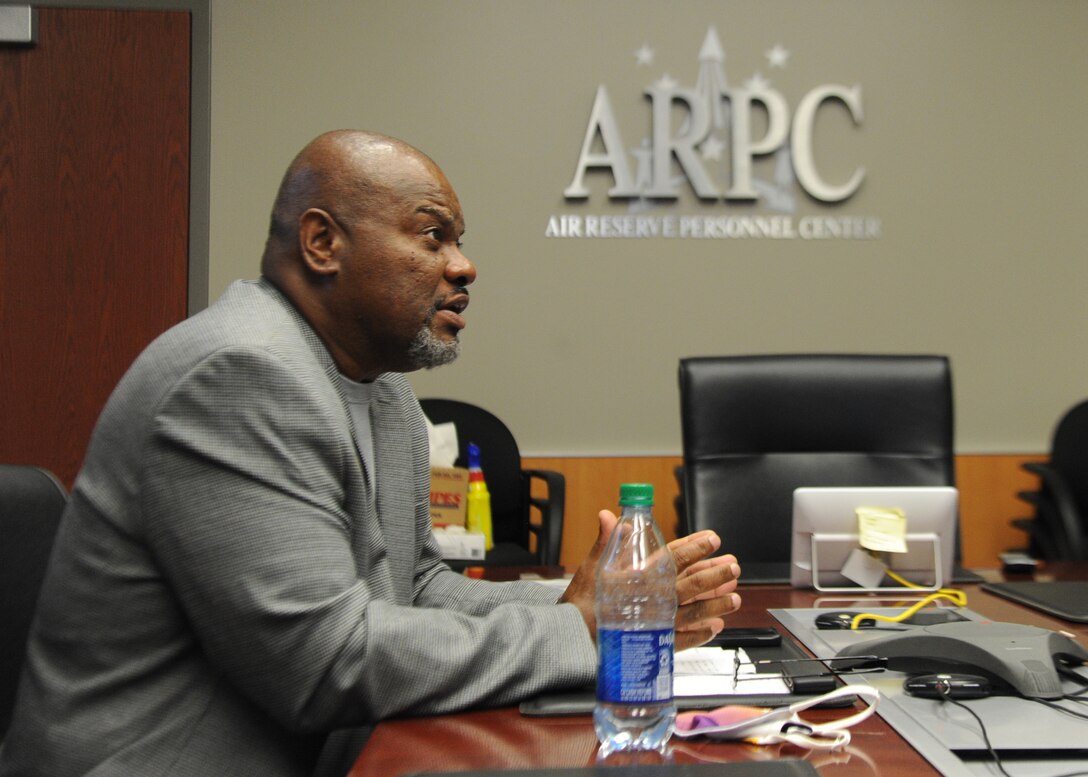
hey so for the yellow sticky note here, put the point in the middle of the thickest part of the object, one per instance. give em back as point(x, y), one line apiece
point(882, 529)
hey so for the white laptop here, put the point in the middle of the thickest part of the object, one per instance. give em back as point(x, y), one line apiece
point(825, 522)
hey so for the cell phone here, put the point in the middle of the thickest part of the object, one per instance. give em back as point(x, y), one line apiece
point(746, 637)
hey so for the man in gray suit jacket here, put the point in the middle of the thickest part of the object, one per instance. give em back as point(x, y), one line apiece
point(246, 563)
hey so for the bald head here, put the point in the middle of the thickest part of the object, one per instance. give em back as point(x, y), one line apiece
point(365, 241)
point(343, 172)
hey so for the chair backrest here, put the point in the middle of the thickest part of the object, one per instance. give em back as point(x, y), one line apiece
point(31, 503)
point(500, 460)
point(1069, 455)
point(755, 428)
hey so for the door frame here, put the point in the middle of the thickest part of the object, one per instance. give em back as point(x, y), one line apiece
point(200, 125)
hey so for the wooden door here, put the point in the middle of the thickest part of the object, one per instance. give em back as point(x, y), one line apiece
point(94, 201)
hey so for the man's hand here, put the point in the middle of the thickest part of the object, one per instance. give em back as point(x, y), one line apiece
point(582, 590)
point(705, 587)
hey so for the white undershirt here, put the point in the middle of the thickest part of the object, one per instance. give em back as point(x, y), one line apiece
point(359, 396)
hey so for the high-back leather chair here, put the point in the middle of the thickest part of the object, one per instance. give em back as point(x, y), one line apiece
point(512, 503)
point(755, 428)
point(31, 503)
point(1058, 530)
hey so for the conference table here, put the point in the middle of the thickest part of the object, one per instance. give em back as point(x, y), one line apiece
point(506, 739)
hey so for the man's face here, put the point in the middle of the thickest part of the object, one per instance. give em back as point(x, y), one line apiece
point(404, 277)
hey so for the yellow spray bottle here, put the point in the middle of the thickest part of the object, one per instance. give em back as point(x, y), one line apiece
point(478, 512)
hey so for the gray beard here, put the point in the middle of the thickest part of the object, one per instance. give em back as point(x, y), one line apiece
point(427, 351)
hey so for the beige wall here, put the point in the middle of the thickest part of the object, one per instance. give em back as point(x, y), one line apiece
point(973, 142)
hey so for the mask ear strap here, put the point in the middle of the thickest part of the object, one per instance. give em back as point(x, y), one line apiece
point(869, 694)
point(797, 732)
point(830, 741)
point(823, 736)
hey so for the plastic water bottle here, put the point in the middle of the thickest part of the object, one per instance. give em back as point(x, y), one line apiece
point(636, 621)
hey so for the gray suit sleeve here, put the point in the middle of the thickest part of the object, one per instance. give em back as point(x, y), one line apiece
point(247, 501)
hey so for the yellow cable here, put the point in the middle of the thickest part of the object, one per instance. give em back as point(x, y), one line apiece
point(957, 597)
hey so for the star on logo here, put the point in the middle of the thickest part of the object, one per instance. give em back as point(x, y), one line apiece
point(645, 55)
point(757, 83)
point(777, 56)
point(666, 82)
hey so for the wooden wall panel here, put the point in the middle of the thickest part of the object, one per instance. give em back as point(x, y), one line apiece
point(988, 487)
point(987, 483)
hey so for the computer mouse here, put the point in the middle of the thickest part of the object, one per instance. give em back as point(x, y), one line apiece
point(948, 686)
point(842, 619)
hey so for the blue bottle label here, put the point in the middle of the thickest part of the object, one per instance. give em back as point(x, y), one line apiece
point(635, 667)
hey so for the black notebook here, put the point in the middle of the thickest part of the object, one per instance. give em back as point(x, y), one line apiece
point(784, 767)
point(1066, 599)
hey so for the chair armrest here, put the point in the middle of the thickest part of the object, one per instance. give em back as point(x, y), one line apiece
point(1036, 467)
point(1054, 492)
point(549, 533)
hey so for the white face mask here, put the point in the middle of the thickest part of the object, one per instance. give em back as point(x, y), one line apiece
point(773, 725)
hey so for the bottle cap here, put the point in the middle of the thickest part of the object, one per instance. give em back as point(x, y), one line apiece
point(636, 494)
point(473, 456)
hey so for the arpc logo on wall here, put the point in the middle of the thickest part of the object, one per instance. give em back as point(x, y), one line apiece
point(711, 154)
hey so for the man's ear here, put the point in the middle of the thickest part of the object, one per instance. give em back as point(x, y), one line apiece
point(320, 241)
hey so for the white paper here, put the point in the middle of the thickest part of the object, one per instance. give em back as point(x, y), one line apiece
point(864, 569)
point(708, 671)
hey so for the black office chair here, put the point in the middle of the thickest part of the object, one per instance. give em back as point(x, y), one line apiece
point(31, 503)
point(755, 428)
point(512, 502)
point(1058, 530)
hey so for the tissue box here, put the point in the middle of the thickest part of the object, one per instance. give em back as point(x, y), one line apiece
point(459, 544)
point(449, 496)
